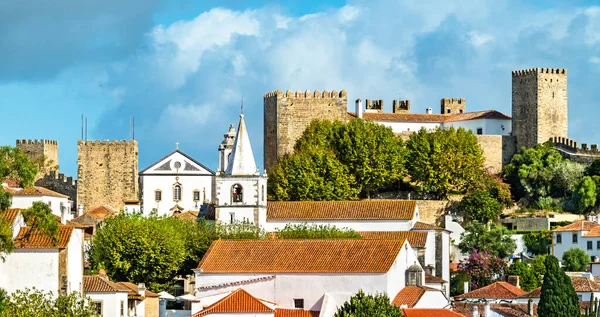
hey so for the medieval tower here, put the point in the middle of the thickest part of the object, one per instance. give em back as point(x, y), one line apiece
point(288, 114)
point(539, 105)
point(107, 173)
point(43, 152)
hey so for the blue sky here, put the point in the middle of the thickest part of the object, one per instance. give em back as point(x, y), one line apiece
point(181, 67)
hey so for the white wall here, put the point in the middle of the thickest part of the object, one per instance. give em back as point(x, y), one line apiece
point(398, 127)
point(357, 225)
point(27, 201)
point(446, 261)
point(432, 299)
point(75, 261)
point(165, 183)
point(567, 243)
point(111, 302)
point(26, 268)
point(489, 126)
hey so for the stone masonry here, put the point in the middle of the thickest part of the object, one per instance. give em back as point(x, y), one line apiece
point(288, 114)
point(539, 105)
point(38, 149)
point(107, 173)
point(453, 105)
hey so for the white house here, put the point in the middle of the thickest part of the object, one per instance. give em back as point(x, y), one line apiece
point(298, 274)
point(584, 234)
point(25, 197)
point(109, 298)
point(174, 184)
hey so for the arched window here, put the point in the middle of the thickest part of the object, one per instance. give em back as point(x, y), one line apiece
point(413, 275)
point(177, 193)
point(263, 192)
point(237, 193)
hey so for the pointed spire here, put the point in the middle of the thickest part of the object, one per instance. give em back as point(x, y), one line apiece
point(242, 159)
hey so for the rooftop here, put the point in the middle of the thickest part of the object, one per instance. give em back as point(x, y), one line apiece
point(426, 226)
point(239, 301)
point(33, 191)
point(331, 210)
point(97, 284)
point(428, 312)
point(10, 215)
point(583, 225)
point(38, 240)
point(410, 295)
point(415, 238)
point(501, 290)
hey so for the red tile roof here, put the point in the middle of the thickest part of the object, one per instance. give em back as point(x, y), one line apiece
point(97, 284)
point(281, 312)
point(10, 215)
point(38, 240)
point(190, 215)
point(595, 232)
point(239, 301)
point(535, 293)
point(416, 239)
point(513, 310)
point(34, 191)
point(410, 295)
point(95, 215)
point(584, 284)
point(434, 118)
point(495, 290)
point(582, 225)
point(301, 256)
point(428, 312)
point(360, 209)
point(426, 226)
point(434, 279)
point(134, 290)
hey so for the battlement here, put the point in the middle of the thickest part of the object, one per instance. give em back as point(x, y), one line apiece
point(453, 105)
point(37, 141)
point(307, 94)
point(374, 105)
point(106, 142)
point(572, 146)
point(525, 72)
point(401, 106)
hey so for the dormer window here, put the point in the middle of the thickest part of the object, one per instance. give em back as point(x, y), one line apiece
point(237, 193)
point(177, 193)
point(413, 275)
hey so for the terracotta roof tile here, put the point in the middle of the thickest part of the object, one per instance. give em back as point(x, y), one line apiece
point(190, 215)
point(360, 209)
point(37, 240)
point(582, 225)
point(584, 284)
point(96, 284)
point(281, 312)
point(433, 279)
point(11, 182)
point(10, 215)
point(428, 312)
point(134, 291)
point(410, 295)
point(34, 191)
point(513, 310)
point(299, 256)
point(426, 226)
point(495, 290)
point(535, 293)
point(595, 232)
point(95, 215)
point(239, 301)
point(416, 239)
point(434, 118)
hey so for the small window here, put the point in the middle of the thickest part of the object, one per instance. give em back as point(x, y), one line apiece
point(157, 195)
point(589, 245)
point(479, 131)
point(597, 245)
point(263, 192)
point(177, 193)
point(122, 308)
point(559, 238)
point(237, 193)
point(299, 303)
point(448, 110)
point(196, 195)
point(461, 111)
point(98, 308)
point(232, 217)
point(574, 238)
point(49, 203)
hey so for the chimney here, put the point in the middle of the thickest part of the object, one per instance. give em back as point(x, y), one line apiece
point(428, 111)
point(530, 307)
point(80, 210)
point(141, 289)
point(486, 309)
point(465, 287)
point(102, 274)
point(63, 216)
point(514, 280)
point(475, 311)
point(359, 108)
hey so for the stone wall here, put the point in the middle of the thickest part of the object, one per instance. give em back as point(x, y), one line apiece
point(453, 105)
point(151, 306)
point(497, 150)
point(286, 116)
point(433, 211)
point(60, 184)
point(36, 149)
point(107, 173)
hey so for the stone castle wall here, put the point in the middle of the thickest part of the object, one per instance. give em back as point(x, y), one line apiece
point(497, 150)
point(60, 184)
point(107, 173)
point(36, 149)
point(286, 116)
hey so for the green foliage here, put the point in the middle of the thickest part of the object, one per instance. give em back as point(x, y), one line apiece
point(558, 298)
point(496, 187)
point(575, 259)
point(584, 196)
point(6, 240)
point(305, 231)
point(481, 206)
point(444, 160)
point(528, 279)
point(457, 282)
point(495, 240)
point(538, 242)
point(4, 301)
point(39, 217)
point(538, 265)
point(361, 305)
point(594, 168)
point(239, 230)
point(565, 176)
point(34, 303)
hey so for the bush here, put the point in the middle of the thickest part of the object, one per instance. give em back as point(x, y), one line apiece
point(481, 206)
point(361, 305)
point(538, 242)
point(305, 231)
point(575, 259)
point(496, 239)
point(528, 280)
point(34, 303)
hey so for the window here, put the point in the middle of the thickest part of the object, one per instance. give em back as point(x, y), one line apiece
point(237, 193)
point(299, 303)
point(589, 245)
point(232, 217)
point(448, 110)
point(479, 130)
point(559, 238)
point(574, 238)
point(196, 195)
point(157, 195)
point(177, 193)
point(598, 245)
point(98, 308)
point(122, 308)
point(263, 192)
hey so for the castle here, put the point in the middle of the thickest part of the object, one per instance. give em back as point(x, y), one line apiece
point(539, 114)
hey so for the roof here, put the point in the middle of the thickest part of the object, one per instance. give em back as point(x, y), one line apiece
point(242, 159)
point(434, 118)
point(239, 301)
point(299, 256)
point(184, 155)
point(434, 279)
point(595, 232)
point(190, 215)
point(95, 215)
point(584, 284)
point(38, 240)
point(513, 310)
point(97, 284)
point(582, 225)
point(34, 191)
point(281, 312)
point(9, 215)
point(327, 210)
point(416, 239)
point(426, 226)
point(535, 293)
point(134, 291)
point(427, 312)
point(494, 290)
point(410, 295)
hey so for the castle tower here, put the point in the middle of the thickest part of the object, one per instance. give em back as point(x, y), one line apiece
point(539, 105)
point(42, 152)
point(107, 173)
point(453, 106)
point(288, 114)
point(241, 190)
point(225, 149)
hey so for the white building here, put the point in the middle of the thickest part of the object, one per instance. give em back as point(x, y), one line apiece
point(582, 234)
point(25, 197)
point(109, 298)
point(174, 184)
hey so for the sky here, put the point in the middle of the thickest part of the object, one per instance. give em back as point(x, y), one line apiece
point(182, 67)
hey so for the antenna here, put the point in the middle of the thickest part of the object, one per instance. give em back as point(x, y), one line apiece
point(242, 108)
point(82, 126)
point(85, 129)
point(133, 128)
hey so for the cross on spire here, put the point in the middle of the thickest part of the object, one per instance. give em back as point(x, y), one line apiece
point(177, 145)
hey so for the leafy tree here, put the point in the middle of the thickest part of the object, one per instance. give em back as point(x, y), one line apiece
point(361, 305)
point(538, 265)
point(198, 238)
point(496, 239)
point(483, 268)
point(4, 301)
point(575, 259)
point(305, 231)
point(566, 175)
point(558, 298)
point(239, 230)
point(538, 242)
point(15, 164)
point(594, 168)
point(40, 219)
point(496, 187)
point(457, 282)
point(6, 238)
point(480, 205)
point(444, 160)
point(34, 303)
point(585, 194)
point(528, 279)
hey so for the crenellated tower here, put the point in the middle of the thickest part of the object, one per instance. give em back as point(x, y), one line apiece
point(42, 152)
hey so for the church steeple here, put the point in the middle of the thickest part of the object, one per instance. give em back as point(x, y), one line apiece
point(242, 158)
point(225, 149)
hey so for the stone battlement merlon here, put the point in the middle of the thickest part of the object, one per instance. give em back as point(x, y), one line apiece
point(106, 142)
point(307, 94)
point(37, 141)
point(524, 72)
point(573, 146)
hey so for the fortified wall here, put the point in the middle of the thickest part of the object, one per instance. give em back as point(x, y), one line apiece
point(572, 150)
point(59, 183)
point(38, 150)
point(107, 173)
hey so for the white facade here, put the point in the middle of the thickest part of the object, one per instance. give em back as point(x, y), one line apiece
point(485, 126)
point(112, 303)
point(432, 299)
point(574, 239)
point(60, 206)
point(176, 183)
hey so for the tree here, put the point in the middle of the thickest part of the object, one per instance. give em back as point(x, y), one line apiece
point(444, 160)
point(497, 188)
point(457, 282)
point(594, 168)
point(558, 297)
point(6, 238)
point(361, 305)
point(40, 219)
point(4, 300)
point(480, 205)
point(305, 231)
point(538, 242)
point(584, 196)
point(565, 176)
point(496, 239)
point(483, 268)
point(33, 303)
point(528, 280)
point(239, 230)
point(538, 265)
point(15, 164)
point(575, 259)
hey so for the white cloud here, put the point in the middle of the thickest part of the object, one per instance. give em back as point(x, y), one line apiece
point(348, 13)
point(479, 39)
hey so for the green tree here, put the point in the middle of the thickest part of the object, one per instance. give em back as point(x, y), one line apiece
point(40, 219)
point(565, 176)
point(584, 196)
point(306, 231)
point(361, 305)
point(4, 301)
point(6, 238)
point(538, 265)
point(457, 282)
point(558, 298)
point(528, 280)
point(444, 160)
point(538, 242)
point(34, 303)
point(495, 239)
point(15, 164)
point(594, 168)
point(480, 205)
point(496, 187)
point(575, 259)
point(239, 230)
